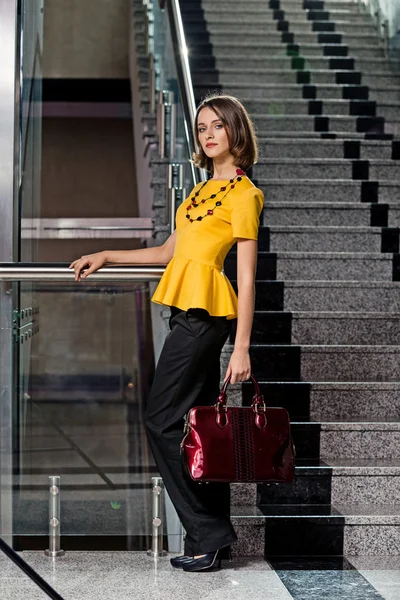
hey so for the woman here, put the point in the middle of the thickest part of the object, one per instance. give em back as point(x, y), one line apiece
point(219, 212)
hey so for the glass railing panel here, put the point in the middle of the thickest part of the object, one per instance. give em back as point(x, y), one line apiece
point(167, 57)
point(84, 363)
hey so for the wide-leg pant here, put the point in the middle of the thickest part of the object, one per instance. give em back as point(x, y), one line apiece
point(187, 375)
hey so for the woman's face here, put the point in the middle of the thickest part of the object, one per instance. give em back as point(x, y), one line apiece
point(212, 134)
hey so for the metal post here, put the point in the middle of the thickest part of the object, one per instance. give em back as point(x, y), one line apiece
point(54, 519)
point(161, 124)
point(157, 522)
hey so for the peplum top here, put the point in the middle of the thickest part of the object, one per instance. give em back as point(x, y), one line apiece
point(194, 277)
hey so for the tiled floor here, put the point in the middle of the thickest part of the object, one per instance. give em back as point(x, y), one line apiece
point(128, 575)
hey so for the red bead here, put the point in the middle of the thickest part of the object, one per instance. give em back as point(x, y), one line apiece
point(203, 201)
point(223, 189)
point(191, 220)
point(210, 212)
point(188, 208)
point(232, 186)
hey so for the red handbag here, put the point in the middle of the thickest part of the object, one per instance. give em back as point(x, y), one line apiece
point(238, 444)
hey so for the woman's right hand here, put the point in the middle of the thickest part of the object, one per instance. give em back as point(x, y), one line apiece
point(87, 264)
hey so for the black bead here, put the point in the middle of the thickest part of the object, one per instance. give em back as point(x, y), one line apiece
point(231, 181)
point(188, 216)
point(199, 218)
point(195, 205)
point(193, 198)
point(196, 194)
point(218, 204)
point(239, 179)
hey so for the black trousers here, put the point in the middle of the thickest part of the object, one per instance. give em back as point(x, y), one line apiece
point(187, 375)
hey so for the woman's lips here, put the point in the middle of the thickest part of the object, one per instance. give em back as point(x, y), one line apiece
point(209, 145)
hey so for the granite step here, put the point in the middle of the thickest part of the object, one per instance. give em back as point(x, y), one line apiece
point(368, 296)
point(343, 266)
point(285, 148)
point(239, 58)
point(331, 168)
point(298, 27)
point(296, 14)
point(285, 106)
point(341, 481)
point(293, 90)
point(328, 401)
point(278, 531)
point(365, 440)
point(215, 32)
point(322, 363)
point(261, 79)
point(254, 4)
point(266, 124)
point(348, 214)
point(274, 48)
point(341, 328)
point(325, 328)
point(328, 190)
point(260, 10)
point(323, 239)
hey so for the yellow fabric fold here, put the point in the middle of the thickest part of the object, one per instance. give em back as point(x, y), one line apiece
point(194, 277)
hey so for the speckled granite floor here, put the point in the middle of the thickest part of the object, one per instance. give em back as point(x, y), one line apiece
point(127, 575)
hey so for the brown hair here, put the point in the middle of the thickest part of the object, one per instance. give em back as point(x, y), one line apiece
point(239, 127)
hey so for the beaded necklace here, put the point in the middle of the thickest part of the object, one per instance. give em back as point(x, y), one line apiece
point(194, 204)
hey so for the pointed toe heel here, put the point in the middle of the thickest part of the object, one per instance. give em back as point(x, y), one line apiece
point(177, 561)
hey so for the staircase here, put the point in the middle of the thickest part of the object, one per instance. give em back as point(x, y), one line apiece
point(326, 337)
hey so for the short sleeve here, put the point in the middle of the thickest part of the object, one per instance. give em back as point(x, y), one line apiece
point(245, 217)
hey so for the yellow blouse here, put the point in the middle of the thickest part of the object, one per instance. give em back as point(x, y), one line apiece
point(194, 277)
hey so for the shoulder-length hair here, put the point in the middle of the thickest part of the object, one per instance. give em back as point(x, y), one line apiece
point(239, 128)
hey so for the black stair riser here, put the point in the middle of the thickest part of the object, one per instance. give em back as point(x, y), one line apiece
point(276, 363)
point(266, 266)
point(269, 328)
point(309, 488)
point(304, 537)
point(295, 397)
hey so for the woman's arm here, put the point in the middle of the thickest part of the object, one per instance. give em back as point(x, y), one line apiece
point(145, 256)
point(155, 255)
point(239, 366)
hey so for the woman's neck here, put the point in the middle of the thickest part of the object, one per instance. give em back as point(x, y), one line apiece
point(224, 175)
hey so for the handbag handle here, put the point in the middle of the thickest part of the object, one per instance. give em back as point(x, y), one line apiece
point(257, 402)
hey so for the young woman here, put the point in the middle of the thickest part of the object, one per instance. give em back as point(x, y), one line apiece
point(219, 212)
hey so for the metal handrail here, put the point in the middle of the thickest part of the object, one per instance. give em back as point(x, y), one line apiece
point(184, 79)
point(381, 22)
point(34, 272)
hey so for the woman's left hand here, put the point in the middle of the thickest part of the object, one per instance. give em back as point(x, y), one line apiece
point(239, 367)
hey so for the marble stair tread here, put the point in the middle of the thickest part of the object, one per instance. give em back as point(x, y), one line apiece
point(307, 49)
point(256, 9)
point(348, 229)
point(259, 31)
point(324, 363)
point(341, 168)
point(314, 135)
point(284, 61)
point(338, 125)
point(323, 148)
point(329, 4)
point(330, 89)
point(326, 327)
point(352, 513)
point(324, 190)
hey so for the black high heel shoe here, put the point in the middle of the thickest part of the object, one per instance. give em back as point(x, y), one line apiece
point(177, 561)
point(207, 561)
